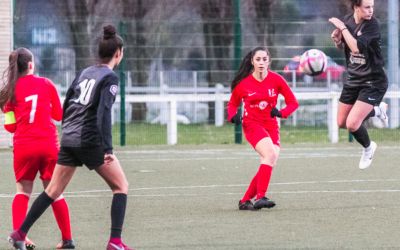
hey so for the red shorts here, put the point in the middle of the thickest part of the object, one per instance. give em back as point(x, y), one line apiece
point(254, 132)
point(31, 159)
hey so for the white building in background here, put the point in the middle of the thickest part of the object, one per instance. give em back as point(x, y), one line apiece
point(6, 34)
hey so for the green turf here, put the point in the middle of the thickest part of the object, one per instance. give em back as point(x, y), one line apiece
point(149, 134)
point(185, 197)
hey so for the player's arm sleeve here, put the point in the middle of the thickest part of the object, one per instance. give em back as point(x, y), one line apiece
point(370, 34)
point(290, 100)
point(56, 109)
point(234, 103)
point(10, 123)
point(107, 98)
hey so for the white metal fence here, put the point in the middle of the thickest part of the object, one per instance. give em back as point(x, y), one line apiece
point(172, 101)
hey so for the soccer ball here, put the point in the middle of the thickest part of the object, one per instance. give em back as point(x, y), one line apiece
point(313, 62)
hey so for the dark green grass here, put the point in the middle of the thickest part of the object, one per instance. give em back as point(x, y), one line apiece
point(150, 134)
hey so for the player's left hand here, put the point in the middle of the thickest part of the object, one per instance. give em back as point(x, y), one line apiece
point(337, 22)
point(275, 113)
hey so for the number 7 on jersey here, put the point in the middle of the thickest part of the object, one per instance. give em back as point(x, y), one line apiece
point(33, 99)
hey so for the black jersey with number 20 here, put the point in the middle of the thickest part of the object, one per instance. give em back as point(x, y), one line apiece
point(87, 109)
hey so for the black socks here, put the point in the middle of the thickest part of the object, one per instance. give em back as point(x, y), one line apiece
point(361, 135)
point(42, 202)
point(118, 207)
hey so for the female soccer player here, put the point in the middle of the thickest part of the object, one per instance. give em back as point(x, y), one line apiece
point(258, 88)
point(367, 83)
point(30, 103)
point(86, 139)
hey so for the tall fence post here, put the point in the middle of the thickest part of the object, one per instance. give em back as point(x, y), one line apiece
point(172, 123)
point(238, 56)
point(393, 60)
point(333, 128)
point(219, 105)
point(122, 77)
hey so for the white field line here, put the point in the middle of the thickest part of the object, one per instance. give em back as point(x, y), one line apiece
point(230, 193)
point(95, 193)
point(241, 150)
point(282, 156)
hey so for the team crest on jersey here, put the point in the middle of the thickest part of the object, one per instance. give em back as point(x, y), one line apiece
point(262, 105)
point(113, 89)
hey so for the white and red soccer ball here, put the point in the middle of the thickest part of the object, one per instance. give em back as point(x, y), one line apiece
point(313, 62)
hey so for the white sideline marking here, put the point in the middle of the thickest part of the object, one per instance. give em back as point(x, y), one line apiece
point(285, 156)
point(230, 193)
point(242, 150)
point(89, 193)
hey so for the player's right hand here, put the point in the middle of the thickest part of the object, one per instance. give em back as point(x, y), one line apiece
point(108, 158)
point(237, 119)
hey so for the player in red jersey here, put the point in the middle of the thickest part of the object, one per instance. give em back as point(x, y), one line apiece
point(258, 88)
point(30, 103)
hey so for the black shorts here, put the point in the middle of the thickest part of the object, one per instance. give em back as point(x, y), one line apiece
point(369, 94)
point(92, 157)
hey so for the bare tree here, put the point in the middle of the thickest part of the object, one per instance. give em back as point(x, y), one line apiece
point(85, 19)
point(76, 14)
point(263, 22)
point(136, 54)
point(217, 16)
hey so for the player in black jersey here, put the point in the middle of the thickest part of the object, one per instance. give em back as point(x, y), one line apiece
point(362, 94)
point(86, 139)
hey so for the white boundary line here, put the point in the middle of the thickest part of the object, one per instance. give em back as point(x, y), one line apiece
point(91, 193)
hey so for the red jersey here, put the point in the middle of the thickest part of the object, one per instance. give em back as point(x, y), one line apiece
point(260, 97)
point(36, 104)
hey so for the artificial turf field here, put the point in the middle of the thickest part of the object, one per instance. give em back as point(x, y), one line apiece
point(185, 197)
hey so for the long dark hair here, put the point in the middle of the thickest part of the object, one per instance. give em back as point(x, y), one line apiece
point(18, 62)
point(246, 67)
point(109, 44)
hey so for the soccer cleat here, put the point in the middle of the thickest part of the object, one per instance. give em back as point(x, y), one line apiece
point(246, 205)
point(367, 155)
point(382, 120)
point(264, 202)
point(383, 116)
point(66, 244)
point(29, 244)
point(17, 240)
point(121, 246)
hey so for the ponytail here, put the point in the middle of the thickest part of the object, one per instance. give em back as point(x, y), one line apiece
point(17, 66)
point(246, 67)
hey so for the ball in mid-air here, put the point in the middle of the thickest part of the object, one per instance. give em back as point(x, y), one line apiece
point(313, 62)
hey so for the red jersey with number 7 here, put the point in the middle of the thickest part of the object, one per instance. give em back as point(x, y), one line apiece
point(36, 104)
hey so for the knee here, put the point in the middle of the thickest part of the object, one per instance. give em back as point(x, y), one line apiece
point(352, 125)
point(270, 159)
point(121, 187)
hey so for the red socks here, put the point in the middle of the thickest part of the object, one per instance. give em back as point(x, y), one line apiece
point(251, 190)
point(19, 209)
point(61, 213)
point(259, 185)
point(264, 176)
